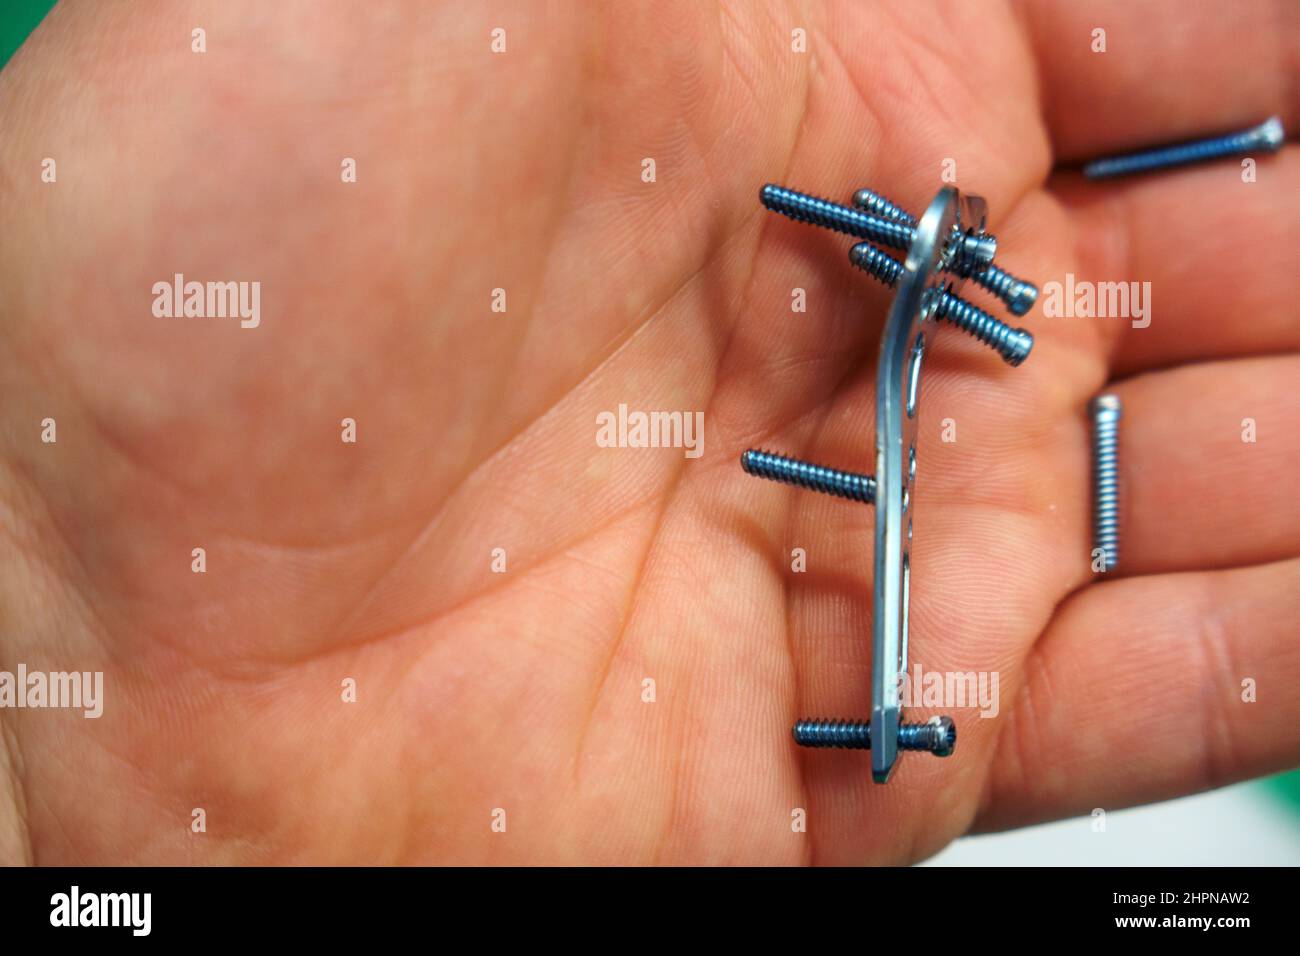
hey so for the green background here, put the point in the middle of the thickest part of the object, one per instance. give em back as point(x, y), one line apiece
point(17, 19)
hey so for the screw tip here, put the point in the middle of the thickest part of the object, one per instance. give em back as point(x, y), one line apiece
point(1097, 169)
point(1107, 407)
point(1109, 560)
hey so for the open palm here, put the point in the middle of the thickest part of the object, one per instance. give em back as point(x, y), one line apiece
point(500, 590)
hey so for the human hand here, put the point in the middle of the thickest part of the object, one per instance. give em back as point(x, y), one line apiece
point(475, 430)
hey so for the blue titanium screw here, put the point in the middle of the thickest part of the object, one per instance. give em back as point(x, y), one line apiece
point(1018, 295)
point(792, 471)
point(803, 207)
point(1105, 412)
point(1267, 136)
point(938, 735)
point(1012, 344)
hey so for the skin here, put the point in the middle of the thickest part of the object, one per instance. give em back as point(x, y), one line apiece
point(523, 690)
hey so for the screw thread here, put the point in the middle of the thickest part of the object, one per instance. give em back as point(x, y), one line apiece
point(938, 736)
point(876, 262)
point(1266, 136)
point(822, 212)
point(792, 471)
point(870, 201)
point(1106, 411)
point(849, 734)
point(1012, 344)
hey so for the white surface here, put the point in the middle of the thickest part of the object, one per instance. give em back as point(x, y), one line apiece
point(1244, 825)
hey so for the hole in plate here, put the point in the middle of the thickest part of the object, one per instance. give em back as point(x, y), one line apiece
point(907, 593)
point(914, 373)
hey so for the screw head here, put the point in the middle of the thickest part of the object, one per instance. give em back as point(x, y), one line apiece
point(1022, 298)
point(979, 248)
point(1019, 344)
point(1270, 133)
point(946, 737)
point(1106, 408)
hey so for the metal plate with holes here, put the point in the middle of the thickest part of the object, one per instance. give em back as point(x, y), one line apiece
point(945, 245)
point(902, 352)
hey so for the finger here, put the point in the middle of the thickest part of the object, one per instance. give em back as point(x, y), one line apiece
point(1226, 66)
point(1207, 454)
point(1141, 690)
point(1197, 264)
